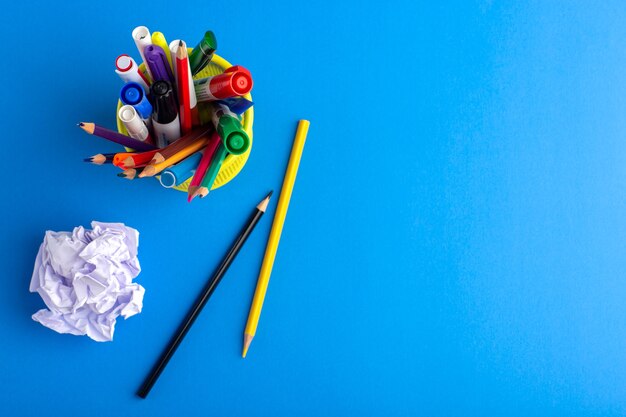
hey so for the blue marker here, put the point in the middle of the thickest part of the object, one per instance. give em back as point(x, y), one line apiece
point(133, 94)
point(237, 105)
point(181, 172)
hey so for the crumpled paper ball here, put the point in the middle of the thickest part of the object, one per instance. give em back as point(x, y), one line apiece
point(86, 279)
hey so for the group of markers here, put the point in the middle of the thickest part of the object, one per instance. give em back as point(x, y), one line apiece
point(178, 127)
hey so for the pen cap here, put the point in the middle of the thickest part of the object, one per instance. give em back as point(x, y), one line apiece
point(235, 139)
point(134, 125)
point(127, 69)
point(203, 52)
point(241, 82)
point(142, 38)
point(158, 63)
point(133, 94)
point(164, 102)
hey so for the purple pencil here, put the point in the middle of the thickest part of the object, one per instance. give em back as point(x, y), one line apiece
point(158, 64)
point(94, 129)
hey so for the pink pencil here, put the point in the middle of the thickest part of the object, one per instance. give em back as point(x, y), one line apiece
point(202, 167)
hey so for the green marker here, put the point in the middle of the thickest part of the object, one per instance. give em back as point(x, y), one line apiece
point(214, 168)
point(202, 53)
point(229, 129)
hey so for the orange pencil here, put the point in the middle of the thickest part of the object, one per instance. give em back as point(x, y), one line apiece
point(152, 170)
point(182, 76)
point(191, 137)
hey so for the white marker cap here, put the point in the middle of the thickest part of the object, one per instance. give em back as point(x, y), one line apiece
point(136, 127)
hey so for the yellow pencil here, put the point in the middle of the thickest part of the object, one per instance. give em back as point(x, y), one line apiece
point(277, 228)
point(159, 40)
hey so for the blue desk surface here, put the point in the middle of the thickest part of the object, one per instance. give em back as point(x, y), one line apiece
point(455, 240)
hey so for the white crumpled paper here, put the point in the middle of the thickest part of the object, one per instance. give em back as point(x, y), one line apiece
point(86, 279)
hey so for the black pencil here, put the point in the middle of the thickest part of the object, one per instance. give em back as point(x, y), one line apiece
point(203, 298)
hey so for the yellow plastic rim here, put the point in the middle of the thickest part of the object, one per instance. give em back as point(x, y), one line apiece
point(233, 164)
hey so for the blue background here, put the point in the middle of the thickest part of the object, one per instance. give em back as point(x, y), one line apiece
point(455, 240)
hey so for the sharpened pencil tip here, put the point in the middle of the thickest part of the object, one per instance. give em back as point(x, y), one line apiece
point(122, 175)
point(180, 44)
point(247, 339)
point(81, 124)
point(270, 194)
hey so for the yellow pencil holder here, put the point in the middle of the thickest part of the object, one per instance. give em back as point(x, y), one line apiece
point(233, 164)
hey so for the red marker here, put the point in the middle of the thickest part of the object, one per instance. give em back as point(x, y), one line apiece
point(235, 81)
point(127, 69)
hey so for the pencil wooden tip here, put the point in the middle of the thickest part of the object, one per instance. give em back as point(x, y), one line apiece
point(202, 192)
point(87, 127)
point(157, 158)
point(247, 339)
point(128, 162)
point(262, 206)
point(148, 171)
point(191, 193)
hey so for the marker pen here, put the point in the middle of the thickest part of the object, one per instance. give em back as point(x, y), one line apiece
point(235, 81)
point(165, 116)
point(132, 94)
point(159, 39)
point(172, 48)
point(158, 64)
point(237, 105)
point(134, 125)
point(203, 53)
point(228, 127)
point(141, 36)
point(128, 70)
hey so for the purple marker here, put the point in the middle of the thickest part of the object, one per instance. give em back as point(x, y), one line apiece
point(158, 64)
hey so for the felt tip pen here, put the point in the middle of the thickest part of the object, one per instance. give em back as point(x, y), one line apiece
point(203, 53)
point(142, 38)
point(228, 127)
point(235, 81)
point(128, 70)
point(134, 95)
point(158, 64)
point(159, 39)
point(165, 117)
point(136, 128)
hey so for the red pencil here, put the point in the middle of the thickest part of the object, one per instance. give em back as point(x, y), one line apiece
point(182, 76)
point(203, 165)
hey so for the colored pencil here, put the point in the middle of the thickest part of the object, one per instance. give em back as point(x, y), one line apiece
point(171, 149)
point(274, 238)
point(130, 174)
point(202, 167)
point(101, 158)
point(94, 129)
point(182, 79)
point(131, 160)
point(203, 298)
point(152, 170)
point(211, 173)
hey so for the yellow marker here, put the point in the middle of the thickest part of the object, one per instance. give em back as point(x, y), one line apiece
point(159, 40)
point(277, 228)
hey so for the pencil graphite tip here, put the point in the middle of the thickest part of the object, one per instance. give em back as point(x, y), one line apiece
point(270, 194)
point(180, 44)
point(121, 175)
